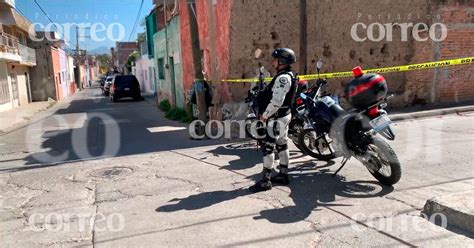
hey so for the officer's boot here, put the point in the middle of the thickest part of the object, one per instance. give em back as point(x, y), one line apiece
point(265, 183)
point(282, 177)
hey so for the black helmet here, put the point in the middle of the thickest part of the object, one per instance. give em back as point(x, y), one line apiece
point(284, 55)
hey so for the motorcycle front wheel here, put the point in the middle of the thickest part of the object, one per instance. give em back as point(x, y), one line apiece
point(316, 145)
point(383, 162)
point(293, 134)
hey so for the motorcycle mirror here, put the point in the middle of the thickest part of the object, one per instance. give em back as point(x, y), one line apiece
point(303, 95)
point(262, 69)
point(319, 64)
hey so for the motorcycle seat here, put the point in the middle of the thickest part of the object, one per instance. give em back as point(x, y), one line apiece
point(337, 110)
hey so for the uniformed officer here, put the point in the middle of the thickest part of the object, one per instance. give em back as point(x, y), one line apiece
point(275, 102)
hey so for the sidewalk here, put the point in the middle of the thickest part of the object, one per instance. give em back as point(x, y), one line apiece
point(22, 114)
point(431, 113)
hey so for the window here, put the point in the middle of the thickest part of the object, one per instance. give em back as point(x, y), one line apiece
point(21, 38)
point(7, 30)
point(161, 69)
point(146, 78)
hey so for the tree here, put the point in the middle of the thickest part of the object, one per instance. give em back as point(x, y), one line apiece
point(131, 59)
point(104, 60)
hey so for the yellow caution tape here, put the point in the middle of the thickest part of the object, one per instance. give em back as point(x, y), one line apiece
point(422, 66)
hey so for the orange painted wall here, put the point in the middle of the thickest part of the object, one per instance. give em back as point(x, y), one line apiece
point(56, 74)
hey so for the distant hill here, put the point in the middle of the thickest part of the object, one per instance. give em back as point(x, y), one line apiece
point(99, 50)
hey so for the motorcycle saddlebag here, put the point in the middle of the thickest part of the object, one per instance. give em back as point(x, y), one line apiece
point(366, 90)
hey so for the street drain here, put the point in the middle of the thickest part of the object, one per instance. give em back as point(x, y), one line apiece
point(112, 172)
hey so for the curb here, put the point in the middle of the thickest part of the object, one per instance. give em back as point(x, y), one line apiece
point(394, 117)
point(430, 113)
point(458, 209)
point(150, 99)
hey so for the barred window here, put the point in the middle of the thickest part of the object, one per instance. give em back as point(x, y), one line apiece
point(4, 91)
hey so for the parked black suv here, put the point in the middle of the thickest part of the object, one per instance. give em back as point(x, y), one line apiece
point(125, 86)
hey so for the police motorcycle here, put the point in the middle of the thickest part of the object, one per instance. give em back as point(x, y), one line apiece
point(297, 111)
point(253, 117)
point(330, 131)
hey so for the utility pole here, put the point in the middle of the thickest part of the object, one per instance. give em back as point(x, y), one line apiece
point(78, 62)
point(196, 52)
point(214, 70)
point(303, 38)
point(78, 59)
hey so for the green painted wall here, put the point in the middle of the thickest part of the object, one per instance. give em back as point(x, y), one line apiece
point(174, 50)
point(150, 31)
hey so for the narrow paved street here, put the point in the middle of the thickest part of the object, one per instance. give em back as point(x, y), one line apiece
point(97, 173)
point(92, 127)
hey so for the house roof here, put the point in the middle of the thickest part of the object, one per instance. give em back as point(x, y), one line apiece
point(52, 37)
point(10, 16)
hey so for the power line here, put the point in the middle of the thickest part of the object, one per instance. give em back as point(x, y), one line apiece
point(44, 12)
point(136, 21)
point(51, 21)
point(73, 44)
point(20, 11)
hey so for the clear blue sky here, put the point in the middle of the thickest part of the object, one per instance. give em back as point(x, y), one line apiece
point(72, 12)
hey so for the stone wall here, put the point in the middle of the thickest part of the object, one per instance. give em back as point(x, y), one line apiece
point(258, 26)
point(329, 37)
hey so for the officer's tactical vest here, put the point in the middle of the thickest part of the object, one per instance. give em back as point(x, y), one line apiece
point(265, 96)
